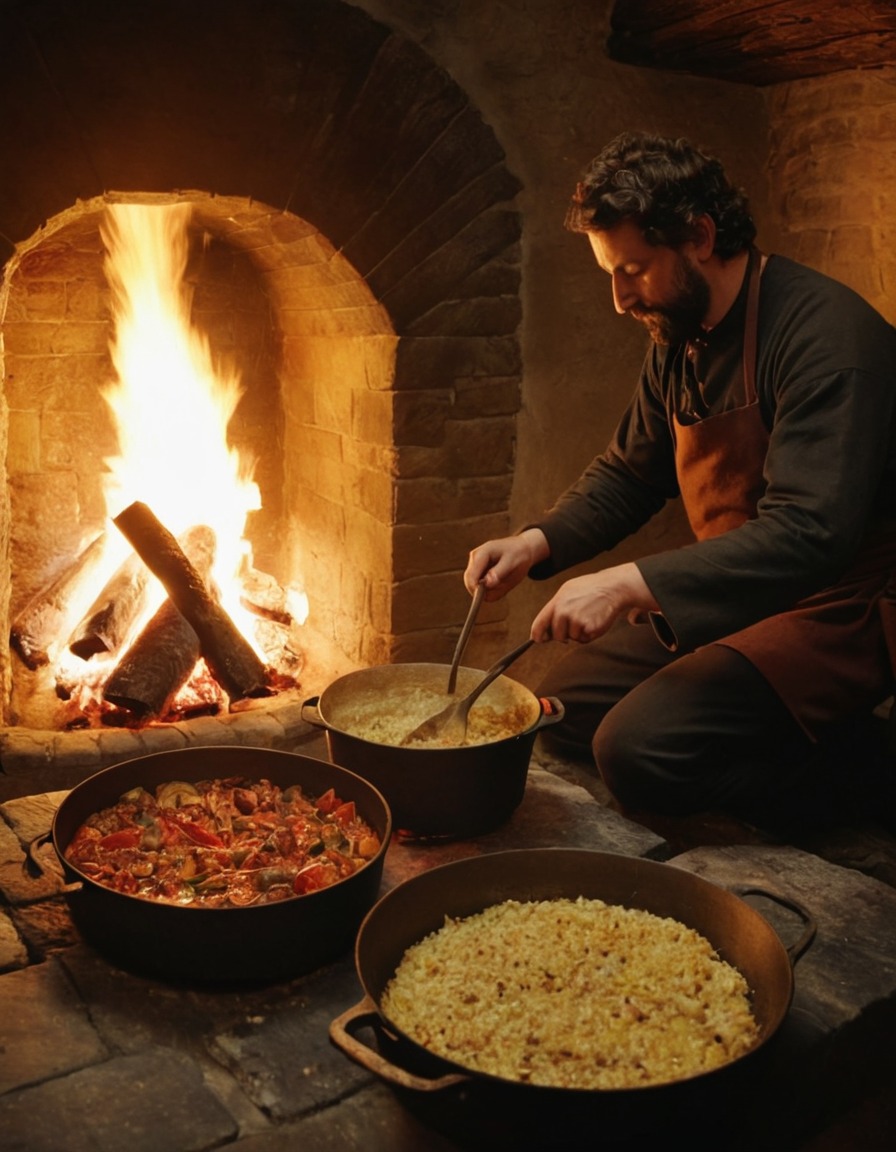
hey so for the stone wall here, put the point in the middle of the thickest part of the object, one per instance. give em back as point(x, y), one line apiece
point(832, 175)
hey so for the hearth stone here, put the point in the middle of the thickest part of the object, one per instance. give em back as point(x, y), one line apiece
point(35, 761)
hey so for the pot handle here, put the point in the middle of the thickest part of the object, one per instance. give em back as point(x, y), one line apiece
point(311, 713)
point(342, 1034)
point(810, 925)
point(35, 866)
point(552, 711)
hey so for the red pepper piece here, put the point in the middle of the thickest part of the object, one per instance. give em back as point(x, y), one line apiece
point(199, 835)
point(125, 838)
point(345, 814)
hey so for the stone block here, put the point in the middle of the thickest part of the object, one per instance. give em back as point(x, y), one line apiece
point(47, 1034)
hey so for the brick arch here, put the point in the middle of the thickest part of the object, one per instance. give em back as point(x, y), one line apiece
point(315, 112)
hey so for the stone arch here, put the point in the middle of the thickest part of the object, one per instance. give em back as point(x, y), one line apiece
point(343, 141)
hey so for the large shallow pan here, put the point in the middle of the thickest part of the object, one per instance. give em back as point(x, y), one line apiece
point(221, 945)
point(487, 1111)
point(434, 792)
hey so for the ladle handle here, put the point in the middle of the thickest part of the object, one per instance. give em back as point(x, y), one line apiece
point(496, 669)
point(464, 637)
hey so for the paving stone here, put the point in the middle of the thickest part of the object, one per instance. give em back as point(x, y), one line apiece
point(372, 1120)
point(31, 816)
point(45, 927)
point(46, 1031)
point(11, 851)
point(152, 1102)
point(13, 953)
point(284, 1059)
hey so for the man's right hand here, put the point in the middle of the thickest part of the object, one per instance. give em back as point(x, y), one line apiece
point(502, 564)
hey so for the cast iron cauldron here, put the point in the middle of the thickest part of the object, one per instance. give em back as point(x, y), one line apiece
point(487, 1111)
point(264, 942)
point(437, 792)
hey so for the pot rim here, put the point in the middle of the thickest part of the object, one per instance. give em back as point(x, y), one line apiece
point(549, 708)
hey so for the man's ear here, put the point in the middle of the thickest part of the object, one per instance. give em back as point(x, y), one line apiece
point(703, 237)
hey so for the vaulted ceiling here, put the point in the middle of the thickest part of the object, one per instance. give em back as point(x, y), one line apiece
point(756, 42)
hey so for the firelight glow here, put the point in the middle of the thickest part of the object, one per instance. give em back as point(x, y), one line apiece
point(171, 403)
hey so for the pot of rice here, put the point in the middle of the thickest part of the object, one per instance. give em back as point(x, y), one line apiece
point(528, 995)
point(434, 790)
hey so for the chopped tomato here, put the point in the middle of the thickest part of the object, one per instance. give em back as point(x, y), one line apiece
point(126, 838)
point(314, 877)
point(328, 801)
point(199, 835)
point(345, 813)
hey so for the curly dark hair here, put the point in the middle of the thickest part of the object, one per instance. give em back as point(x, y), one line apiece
point(664, 185)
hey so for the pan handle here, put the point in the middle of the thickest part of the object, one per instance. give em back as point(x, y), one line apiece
point(311, 713)
point(35, 866)
point(342, 1034)
point(810, 925)
point(552, 711)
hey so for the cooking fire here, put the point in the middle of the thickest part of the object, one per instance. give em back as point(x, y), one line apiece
point(162, 615)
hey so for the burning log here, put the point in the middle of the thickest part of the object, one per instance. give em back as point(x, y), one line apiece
point(41, 622)
point(162, 658)
point(230, 657)
point(264, 597)
point(108, 621)
point(106, 625)
point(156, 666)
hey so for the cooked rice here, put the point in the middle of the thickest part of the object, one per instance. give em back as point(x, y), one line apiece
point(389, 720)
point(573, 994)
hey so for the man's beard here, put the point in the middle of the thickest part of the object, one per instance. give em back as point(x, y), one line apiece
point(681, 319)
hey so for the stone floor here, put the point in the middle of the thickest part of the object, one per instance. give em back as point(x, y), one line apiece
point(95, 1059)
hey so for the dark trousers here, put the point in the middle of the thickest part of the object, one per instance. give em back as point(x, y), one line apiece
point(679, 734)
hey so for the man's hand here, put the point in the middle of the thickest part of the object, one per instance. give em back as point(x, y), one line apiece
point(585, 607)
point(501, 564)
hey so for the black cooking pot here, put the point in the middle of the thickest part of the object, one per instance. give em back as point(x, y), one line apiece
point(263, 942)
point(434, 792)
point(488, 1111)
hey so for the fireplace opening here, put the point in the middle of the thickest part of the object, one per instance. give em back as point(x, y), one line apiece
point(259, 288)
point(356, 255)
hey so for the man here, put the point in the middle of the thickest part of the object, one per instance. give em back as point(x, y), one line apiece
point(729, 673)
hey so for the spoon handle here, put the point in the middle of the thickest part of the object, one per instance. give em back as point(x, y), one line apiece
point(464, 637)
point(496, 669)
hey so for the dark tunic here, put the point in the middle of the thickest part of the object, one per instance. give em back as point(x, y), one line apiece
point(826, 384)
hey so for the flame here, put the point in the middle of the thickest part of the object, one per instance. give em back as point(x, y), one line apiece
point(171, 403)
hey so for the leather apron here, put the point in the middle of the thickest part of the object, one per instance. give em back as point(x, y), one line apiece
point(834, 654)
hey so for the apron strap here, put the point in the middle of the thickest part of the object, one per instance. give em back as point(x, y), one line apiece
point(751, 326)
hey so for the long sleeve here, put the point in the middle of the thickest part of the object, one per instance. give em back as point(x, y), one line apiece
point(826, 377)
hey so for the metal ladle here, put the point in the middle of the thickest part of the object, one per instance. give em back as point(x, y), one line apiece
point(450, 725)
point(464, 636)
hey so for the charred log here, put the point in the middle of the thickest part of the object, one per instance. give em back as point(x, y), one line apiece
point(265, 598)
point(156, 666)
point(230, 657)
point(109, 620)
point(41, 622)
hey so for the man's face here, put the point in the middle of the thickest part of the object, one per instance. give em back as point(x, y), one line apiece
point(661, 287)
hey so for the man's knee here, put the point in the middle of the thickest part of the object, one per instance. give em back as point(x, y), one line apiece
point(631, 756)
